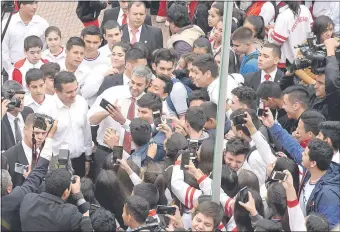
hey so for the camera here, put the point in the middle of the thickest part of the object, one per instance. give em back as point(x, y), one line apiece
point(63, 159)
point(314, 57)
point(14, 102)
point(40, 121)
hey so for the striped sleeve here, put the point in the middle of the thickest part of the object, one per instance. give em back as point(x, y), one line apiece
point(281, 31)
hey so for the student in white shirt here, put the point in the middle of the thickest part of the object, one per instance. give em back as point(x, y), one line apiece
point(73, 130)
point(54, 52)
point(22, 24)
point(112, 33)
point(330, 132)
point(121, 97)
point(92, 37)
point(49, 70)
point(205, 74)
point(36, 86)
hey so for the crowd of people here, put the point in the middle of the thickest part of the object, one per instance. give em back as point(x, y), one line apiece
point(115, 131)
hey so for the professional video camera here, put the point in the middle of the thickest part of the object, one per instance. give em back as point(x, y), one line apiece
point(14, 102)
point(314, 57)
point(64, 161)
point(41, 119)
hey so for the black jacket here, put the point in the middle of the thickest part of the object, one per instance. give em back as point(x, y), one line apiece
point(201, 16)
point(110, 81)
point(112, 14)
point(47, 212)
point(14, 155)
point(7, 136)
point(330, 105)
point(253, 80)
point(10, 204)
point(89, 10)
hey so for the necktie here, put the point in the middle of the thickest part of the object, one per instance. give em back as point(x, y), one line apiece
point(267, 77)
point(124, 19)
point(17, 131)
point(127, 135)
point(134, 37)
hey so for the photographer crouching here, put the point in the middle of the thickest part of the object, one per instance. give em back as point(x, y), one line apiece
point(326, 99)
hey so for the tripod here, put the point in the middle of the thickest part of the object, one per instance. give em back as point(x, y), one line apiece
point(6, 7)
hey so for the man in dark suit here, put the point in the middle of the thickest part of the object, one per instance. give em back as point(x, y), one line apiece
point(119, 14)
point(22, 152)
point(133, 58)
point(136, 31)
point(10, 219)
point(12, 123)
point(267, 62)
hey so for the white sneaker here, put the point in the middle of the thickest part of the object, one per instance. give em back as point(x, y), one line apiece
point(167, 23)
point(160, 19)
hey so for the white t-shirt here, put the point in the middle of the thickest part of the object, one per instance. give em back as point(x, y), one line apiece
point(304, 196)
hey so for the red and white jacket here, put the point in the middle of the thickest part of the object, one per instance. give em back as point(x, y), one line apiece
point(290, 31)
point(21, 67)
point(296, 218)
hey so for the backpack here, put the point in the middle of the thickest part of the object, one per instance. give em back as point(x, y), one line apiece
point(168, 99)
point(250, 57)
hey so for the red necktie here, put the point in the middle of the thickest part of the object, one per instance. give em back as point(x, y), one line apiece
point(124, 19)
point(267, 77)
point(134, 37)
point(127, 135)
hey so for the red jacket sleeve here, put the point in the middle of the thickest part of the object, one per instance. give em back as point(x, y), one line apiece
point(17, 76)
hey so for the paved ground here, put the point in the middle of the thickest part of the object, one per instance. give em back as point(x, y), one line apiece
point(63, 15)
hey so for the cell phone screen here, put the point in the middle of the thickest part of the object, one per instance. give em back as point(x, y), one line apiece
point(163, 209)
point(244, 195)
point(104, 103)
point(157, 119)
point(185, 159)
point(117, 153)
point(278, 176)
point(19, 168)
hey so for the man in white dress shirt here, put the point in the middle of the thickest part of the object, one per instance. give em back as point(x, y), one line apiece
point(36, 86)
point(22, 24)
point(112, 33)
point(124, 99)
point(73, 131)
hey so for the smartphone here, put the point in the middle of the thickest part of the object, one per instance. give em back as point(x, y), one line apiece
point(185, 159)
point(20, 168)
point(239, 119)
point(244, 195)
point(157, 118)
point(163, 209)
point(193, 146)
point(261, 112)
point(104, 103)
point(278, 176)
point(117, 153)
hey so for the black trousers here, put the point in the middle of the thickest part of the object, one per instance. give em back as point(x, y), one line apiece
point(78, 165)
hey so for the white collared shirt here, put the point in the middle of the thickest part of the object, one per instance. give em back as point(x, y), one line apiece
point(105, 51)
point(213, 90)
point(126, 80)
point(138, 33)
point(123, 96)
point(272, 75)
point(59, 58)
point(92, 63)
point(21, 123)
point(13, 42)
point(81, 73)
point(28, 152)
point(73, 129)
point(29, 101)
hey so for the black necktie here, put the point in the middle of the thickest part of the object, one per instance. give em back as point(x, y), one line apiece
point(17, 131)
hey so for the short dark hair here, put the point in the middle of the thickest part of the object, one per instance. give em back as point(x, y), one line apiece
point(220, 8)
point(189, 58)
point(258, 24)
point(138, 3)
point(206, 63)
point(320, 152)
point(253, 116)
point(311, 120)
point(200, 94)
point(242, 35)
point(168, 84)
point(103, 220)
point(246, 95)
point(25, 3)
point(140, 131)
point(269, 89)
point(134, 54)
point(32, 41)
point(74, 41)
point(165, 55)
point(149, 192)
point(298, 93)
point(276, 49)
point(87, 189)
point(143, 48)
point(52, 29)
point(91, 30)
point(196, 118)
point(178, 14)
point(50, 69)
point(34, 74)
point(8, 86)
point(138, 207)
point(236, 146)
point(316, 222)
point(151, 101)
point(57, 181)
point(210, 209)
point(63, 77)
point(203, 42)
point(210, 109)
point(126, 46)
point(110, 24)
point(331, 130)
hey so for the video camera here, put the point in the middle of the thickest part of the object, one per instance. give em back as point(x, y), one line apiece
point(14, 102)
point(64, 161)
point(314, 57)
point(40, 121)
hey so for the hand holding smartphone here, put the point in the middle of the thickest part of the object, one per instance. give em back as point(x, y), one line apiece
point(104, 103)
point(20, 168)
point(163, 209)
point(185, 159)
point(278, 176)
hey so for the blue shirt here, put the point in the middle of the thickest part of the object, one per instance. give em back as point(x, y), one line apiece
point(248, 66)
